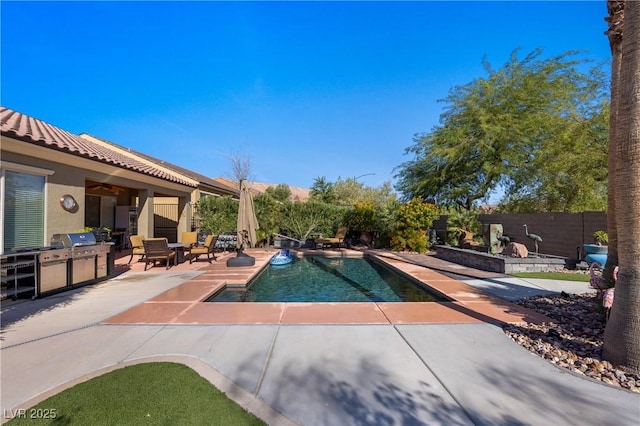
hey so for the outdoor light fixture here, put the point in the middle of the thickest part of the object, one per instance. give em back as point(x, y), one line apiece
point(366, 174)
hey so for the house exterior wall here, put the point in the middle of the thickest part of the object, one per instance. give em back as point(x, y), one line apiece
point(69, 175)
point(64, 180)
point(86, 167)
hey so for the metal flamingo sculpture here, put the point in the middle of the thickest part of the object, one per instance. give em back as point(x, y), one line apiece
point(504, 240)
point(536, 238)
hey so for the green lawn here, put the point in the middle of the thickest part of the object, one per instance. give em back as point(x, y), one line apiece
point(553, 276)
point(143, 394)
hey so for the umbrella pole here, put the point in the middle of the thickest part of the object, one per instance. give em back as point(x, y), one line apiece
point(240, 250)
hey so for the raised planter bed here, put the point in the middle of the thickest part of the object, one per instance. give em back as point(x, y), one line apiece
point(502, 264)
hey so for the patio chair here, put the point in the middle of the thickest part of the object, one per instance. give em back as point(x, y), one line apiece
point(190, 239)
point(135, 241)
point(207, 248)
point(157, 249)
point(341, 233)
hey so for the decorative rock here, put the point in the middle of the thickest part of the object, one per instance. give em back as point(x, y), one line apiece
point(574, 339)
point(516, 250)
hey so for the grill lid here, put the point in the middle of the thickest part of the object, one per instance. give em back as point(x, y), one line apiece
point(74, 239)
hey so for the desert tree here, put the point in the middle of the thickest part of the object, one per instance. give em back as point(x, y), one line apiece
point(536, 128)
point(240, 166)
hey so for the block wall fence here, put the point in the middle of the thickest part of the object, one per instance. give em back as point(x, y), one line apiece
point(563, 234)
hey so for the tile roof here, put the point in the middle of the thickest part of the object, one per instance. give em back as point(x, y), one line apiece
point(22, 127)
point(204, 180)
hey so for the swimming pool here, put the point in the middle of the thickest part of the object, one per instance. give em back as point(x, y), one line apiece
point(318, 279)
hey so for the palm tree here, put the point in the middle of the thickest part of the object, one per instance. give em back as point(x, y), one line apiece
point(622, 334)
point(615, 20)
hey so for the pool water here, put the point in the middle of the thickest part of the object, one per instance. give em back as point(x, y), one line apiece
point(316, 279)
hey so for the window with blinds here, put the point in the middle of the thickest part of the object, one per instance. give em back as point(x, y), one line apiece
point(23, 210)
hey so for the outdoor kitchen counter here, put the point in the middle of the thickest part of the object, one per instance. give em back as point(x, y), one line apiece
point(25, 252)
point(42, 271)
point(19, 273)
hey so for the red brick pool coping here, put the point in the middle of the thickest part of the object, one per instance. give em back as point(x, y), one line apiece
point(184, 304)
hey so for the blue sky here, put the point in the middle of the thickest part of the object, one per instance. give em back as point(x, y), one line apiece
point(305, 89)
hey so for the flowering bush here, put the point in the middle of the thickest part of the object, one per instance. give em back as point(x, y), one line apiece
point(413, 220)
point(362, 218)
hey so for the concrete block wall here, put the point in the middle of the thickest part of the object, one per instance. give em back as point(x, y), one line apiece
point(593, 221)
point(508, 265)
point(563, 234)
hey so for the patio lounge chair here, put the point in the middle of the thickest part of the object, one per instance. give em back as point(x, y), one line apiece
point(341, 233)
point(157, 249)
point(135, 241)
point(207, 248)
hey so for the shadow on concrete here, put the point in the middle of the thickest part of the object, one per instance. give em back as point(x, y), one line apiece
point(561, 401)
point(317, 396)
point(15, 311)
point(509, 291)
point(371, 396)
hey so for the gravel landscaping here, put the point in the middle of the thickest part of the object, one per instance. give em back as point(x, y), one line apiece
point(573, 339)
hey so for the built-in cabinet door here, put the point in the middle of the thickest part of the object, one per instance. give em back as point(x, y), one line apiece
point(53, 275)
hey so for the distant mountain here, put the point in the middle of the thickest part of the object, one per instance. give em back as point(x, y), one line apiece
point(297, 193)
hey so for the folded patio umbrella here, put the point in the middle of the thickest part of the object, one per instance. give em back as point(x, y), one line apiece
point(247, 221)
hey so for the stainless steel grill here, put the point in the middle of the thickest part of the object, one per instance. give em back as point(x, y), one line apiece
point(102, 252)
point(53, 268)
point(84, 252)
point(72, 240)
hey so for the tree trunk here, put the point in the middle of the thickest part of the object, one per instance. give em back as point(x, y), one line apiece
point(615, 20)
point(622, 334)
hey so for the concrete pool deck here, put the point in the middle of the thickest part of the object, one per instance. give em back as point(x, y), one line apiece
point(184, 304)
point(321, 372)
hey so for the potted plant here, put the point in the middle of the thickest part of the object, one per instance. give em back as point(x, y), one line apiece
point(598, 251)
point(601, 238)
point(102, 234)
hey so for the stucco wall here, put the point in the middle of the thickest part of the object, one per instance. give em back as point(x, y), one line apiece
point(64, 180)
point(69, 178)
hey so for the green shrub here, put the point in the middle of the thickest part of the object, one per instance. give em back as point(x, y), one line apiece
point(363, 218)
point(460, 220)
point(412, 221)
point(217, 215)
point(268, 215)
point(304, 220)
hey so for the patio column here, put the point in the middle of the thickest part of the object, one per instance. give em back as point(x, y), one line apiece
point(184, 216)
point(145, 213)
